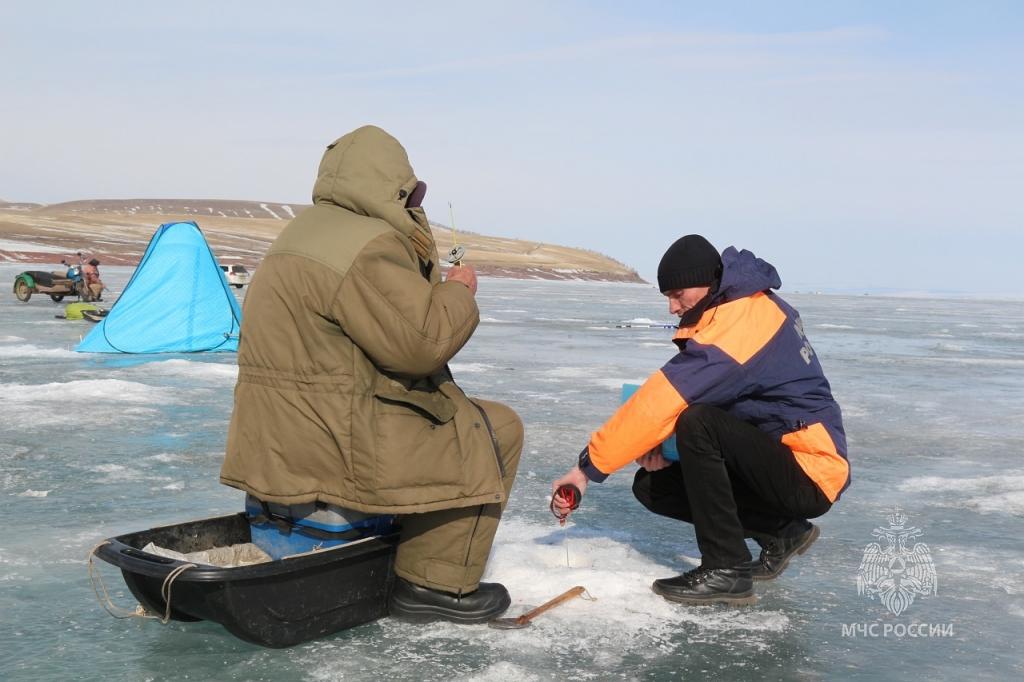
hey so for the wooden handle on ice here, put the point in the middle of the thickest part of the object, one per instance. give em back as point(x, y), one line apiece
point(546, 606)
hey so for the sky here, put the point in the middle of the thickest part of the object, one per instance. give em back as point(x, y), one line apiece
point(855, 145)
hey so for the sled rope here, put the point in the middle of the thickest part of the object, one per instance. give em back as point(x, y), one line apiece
point(98, 587)
point(165, 590)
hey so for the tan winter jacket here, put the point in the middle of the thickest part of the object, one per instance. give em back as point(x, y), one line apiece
point(343, 393)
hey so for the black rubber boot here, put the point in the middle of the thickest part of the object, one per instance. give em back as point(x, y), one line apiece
point(422, 604)
point(776, 552)
point(700, 586)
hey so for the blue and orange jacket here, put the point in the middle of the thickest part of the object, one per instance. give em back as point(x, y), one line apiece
point(749, 356)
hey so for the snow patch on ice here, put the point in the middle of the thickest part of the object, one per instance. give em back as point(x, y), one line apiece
point(986, 494)
point(592, 376)
point(114, 390)
point(470, 367)
point(502, 672)
point(615, 383)
point(218, 372)
point(530, 560)
point(1002, 570)
point(167, 457)
point(34, 493)
point(116, 473)
point(569, 373)
point(31, 351)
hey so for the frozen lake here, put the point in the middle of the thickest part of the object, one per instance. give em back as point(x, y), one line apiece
point(93, 446)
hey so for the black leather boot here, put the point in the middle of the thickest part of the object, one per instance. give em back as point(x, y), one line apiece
point(777, 551)
point(422, 604)
point(701, 586)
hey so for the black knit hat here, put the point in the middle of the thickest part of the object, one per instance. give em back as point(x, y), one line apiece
point(691, 261)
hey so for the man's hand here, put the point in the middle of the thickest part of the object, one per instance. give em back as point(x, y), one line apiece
point(464, 274)
point(575, 477)
point(653, 460)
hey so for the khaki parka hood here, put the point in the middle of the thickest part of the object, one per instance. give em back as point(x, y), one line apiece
point(367, 172)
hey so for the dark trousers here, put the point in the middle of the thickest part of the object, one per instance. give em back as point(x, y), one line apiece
point(732, 481)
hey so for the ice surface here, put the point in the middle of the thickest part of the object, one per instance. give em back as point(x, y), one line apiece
point(95, 446)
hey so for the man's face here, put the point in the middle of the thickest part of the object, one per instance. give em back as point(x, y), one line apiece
point(681, 300)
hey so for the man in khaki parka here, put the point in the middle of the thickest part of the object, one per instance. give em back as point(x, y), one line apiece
point(344, 395)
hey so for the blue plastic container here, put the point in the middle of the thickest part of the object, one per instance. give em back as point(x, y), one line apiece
point(669, 449)
point(285, 530)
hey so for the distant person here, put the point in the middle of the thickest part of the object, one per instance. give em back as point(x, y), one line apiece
point(344, 394)
point(93, 283)
point(760, 437)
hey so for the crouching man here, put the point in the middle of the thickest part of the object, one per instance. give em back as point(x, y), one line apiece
point(344, 395)
point(760, 437)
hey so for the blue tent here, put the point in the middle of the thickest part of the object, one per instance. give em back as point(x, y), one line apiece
point(177, 301)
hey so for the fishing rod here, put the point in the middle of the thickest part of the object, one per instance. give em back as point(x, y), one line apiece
point(457, 253)
point(647, 326)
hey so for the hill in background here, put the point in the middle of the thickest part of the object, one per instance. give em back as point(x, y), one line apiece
point(117, 232)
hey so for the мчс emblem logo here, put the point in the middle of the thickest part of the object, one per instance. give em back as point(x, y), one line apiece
point(894, 572)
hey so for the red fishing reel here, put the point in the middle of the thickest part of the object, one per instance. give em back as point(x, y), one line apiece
point(571, 495)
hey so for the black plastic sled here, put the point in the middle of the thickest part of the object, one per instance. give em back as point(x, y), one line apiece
point(274, 604)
